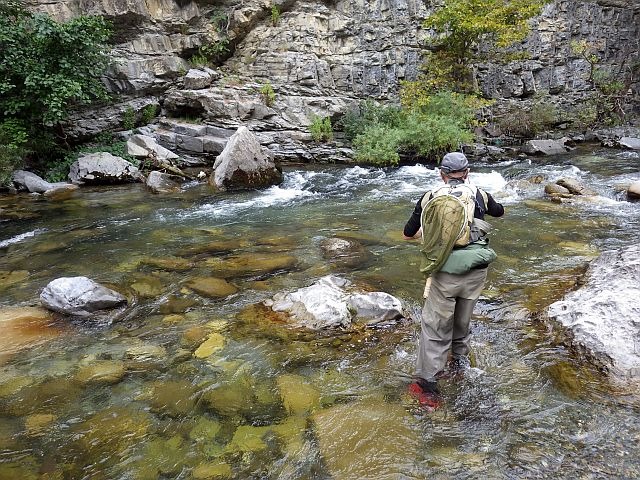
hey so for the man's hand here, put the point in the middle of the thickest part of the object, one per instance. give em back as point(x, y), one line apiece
point(415, 237)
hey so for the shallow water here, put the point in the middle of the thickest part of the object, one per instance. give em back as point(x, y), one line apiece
point(131, 400)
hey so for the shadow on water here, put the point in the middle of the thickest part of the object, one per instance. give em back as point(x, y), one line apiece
point(193, 383)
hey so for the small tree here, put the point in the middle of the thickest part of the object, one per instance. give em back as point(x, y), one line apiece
point(470, 30)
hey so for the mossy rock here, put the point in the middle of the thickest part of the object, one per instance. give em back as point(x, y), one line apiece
point(38, 423)
point(176, 398)
point(13, 385)
point(148, 286)
point(176, 304)
point(11, 277)
point(174, 264)
point(101, 372)
point(162, 457)
point(251, 264)
point(297, 395)
point(231, 399)
point(111, 432)
point(212, 344)
point(219, 246)
point(212, 287)
point(194, 336)
point(368, 429)
point(212, 471)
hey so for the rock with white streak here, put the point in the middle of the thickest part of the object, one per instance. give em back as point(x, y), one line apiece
point(144, 146)
point(102, 168)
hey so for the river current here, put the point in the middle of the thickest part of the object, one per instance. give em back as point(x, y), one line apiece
point(131, 399)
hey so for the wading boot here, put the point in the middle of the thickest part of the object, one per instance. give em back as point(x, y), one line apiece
point(426, 393)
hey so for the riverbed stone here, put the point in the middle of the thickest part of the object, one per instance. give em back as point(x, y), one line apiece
point(24, 327)
point(11, 277)
point(602, 314)
point(344, 252)
point(176, 304)
point(148, 286)
point(175, 398)
point(38, 423)
point(212, 287)
point(244, 164)
point(102, 168)
point(544, 147)
point(218, 246)
point(248, 264)
point(555, 189)
point(575, 186)
point(231, 399)
point(298, 396)
point(58, 193)
point(630, 143)
point(30, 182)
point(212, 471)
point(174, 264)
point(633, 192)
point(370, 429)
point(143, 146)
point(160, 182)
point(101, 372)
point(331, 302)
point(212, 344)
point(79, 296)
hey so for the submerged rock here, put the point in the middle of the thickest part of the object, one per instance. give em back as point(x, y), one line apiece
point(329, 303)
point(103, 372)
point(159, 182)
point(344, 252)
point(244, 164)
point(24, 327)
point(368, 439)
point(602, 316)
point(297, 395)
point(211, 287)
point(246, 264)
point(79, 296)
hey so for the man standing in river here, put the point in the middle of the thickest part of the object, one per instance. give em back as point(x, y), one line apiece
point(449, 297)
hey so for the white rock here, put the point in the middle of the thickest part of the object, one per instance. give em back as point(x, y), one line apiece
point(603, 314)
point(79, 296)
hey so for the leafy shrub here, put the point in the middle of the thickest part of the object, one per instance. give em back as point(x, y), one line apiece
point(148, 113)
point(275, 15)
point(216, 49)
point(199, 60)
point(321, 129)
point(129, 118)
point(519, 122)
point(13, 137)
point(440, 124)
point(268, 95)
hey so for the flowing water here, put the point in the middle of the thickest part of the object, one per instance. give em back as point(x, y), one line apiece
point(138, 399)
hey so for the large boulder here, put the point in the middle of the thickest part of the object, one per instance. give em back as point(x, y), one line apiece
point(29, 181)
point(79, 296)
point(159, 182)
point(633, 192)
point(144, 146)
point(545, 147)
point(196, 78)
point(630, 143)
point(602, 316)
point(332, 303)
point(102, 168)
point(244, 164)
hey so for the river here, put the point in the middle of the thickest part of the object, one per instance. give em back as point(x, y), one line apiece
point(131, 400)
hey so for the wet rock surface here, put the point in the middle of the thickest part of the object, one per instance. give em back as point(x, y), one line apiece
point(102, 168)
point(601, 315)
point(79, 296)
point(330, 303)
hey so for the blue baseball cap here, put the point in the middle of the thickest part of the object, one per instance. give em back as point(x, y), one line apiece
point(454, 162)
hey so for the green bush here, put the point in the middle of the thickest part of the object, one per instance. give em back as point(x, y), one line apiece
point(268, 95)
point(148, 113)
point(441, 123)
point(129, 118)
point(520, 122)
point(275, 15)
point(13, 136)
point(321, 129)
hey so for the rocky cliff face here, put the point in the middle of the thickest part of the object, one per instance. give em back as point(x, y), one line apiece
point(322, 57)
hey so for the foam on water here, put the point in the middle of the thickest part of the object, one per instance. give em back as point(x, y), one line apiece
point(21, 237)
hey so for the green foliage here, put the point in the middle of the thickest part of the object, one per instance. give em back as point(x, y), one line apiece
point(268, 95)
point(527, 123)
point(47, 67)
point(199, 60)
point(321, 129)
point(438, 125)
point(219, 19)
point(466, 31)
point(13, 137)
point(275, 15)
point(216, 49)
point(148, 113)
point(129, 118)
